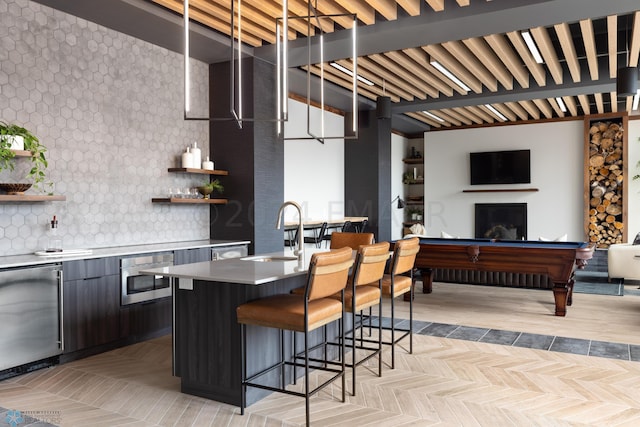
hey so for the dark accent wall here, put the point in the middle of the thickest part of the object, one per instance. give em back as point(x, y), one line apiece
point(253, 155)
point(367, 173)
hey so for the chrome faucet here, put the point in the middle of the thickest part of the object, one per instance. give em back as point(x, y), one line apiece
point(300, 250)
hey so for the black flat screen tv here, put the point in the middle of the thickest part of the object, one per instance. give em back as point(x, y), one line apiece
point(500, 167)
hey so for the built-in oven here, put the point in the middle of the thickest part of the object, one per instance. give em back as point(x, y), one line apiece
point(138, 287)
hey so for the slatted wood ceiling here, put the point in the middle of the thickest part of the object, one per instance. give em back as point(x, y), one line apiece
point(494, 62)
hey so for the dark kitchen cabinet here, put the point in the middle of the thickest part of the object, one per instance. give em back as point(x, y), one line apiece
point(91, 310)
point(146, 320)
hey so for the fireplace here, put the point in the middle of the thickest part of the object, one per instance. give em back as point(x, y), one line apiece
point(504, 221)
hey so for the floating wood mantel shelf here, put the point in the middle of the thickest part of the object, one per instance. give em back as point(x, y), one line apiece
point(30, 198)
point(189, 201)
point(202, 171)
point(411, 161)
point(502, 190)
point(22, 153)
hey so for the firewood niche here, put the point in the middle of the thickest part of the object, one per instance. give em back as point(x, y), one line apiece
point(605, 172)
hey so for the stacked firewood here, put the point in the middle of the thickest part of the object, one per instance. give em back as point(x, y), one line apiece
point(606, 182)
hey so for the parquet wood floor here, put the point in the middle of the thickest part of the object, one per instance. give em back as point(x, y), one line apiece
point(445, 382)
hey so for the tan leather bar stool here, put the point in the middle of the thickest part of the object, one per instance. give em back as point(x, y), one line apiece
point(327, 275)
point(366, 285)
point(351, 240)
point(397, 283)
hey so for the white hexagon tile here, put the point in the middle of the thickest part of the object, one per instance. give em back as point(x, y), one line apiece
point(109, 109)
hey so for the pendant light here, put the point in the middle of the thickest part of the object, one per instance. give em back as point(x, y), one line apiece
point(627, 78)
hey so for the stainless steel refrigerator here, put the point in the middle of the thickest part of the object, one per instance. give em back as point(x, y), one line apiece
point(30, 314)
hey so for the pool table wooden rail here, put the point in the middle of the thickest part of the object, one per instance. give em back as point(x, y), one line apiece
point(557, 260)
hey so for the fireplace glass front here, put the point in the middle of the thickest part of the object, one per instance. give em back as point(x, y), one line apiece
point(503, 221)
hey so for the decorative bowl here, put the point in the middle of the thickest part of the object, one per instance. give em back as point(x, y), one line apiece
point(13, 188)
point(205, 191)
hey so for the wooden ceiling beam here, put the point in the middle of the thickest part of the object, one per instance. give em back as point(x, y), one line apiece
point(614, 101)
point(570, 102)
point(509, 58)
point(612, 39)
point(366, 13)
point(386, 8)
point(436, 5)
point(584, 103)
point(544, 107)
point(517, 108)
point(425, 119)
point(414, 70)
point(469, 114)
point(432, 76)
point(479, 47)
point(457, 115)
point(463, 2)
point(367, 68)
point(451, 120)
point(418, 87)
point(471, 62)
point(556, 107)
point(537, 71)
point(483, 113)
point(454, 66)
point(569, 50)
point(589, 40)
point(506, 111)
point(531, 108)
point(599, 103)
point(412, 7)
point(634, 48)
point(545, 46)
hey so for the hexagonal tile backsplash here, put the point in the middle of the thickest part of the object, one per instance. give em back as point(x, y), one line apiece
point(108, 107)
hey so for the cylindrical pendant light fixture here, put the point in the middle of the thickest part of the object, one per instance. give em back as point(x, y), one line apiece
point(627, 81)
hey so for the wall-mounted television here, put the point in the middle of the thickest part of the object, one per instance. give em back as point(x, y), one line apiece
point(500, 167)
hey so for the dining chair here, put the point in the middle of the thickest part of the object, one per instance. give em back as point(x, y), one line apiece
point(327, 275)
point(398, 281)
point(345, 226)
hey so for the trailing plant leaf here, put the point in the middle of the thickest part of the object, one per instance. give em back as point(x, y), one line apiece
point(39, 162)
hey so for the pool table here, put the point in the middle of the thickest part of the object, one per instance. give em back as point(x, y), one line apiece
point(557, 260)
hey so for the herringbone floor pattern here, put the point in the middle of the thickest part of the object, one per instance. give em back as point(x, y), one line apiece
point(445, 382)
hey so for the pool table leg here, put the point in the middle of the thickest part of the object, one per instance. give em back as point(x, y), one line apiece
point(427, 280)
point(562, 293)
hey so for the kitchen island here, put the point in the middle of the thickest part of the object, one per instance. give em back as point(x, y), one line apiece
point(206, 335)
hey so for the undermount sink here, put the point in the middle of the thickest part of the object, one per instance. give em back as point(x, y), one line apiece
point(269, 258)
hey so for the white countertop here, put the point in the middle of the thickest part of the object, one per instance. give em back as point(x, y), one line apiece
point(32, 259)
point(241, 270)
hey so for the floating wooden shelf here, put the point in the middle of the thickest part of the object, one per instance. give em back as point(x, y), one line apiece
point(22, 153)
point(414, 202)
point(174, 200)
point(413, 161)
point(30, 198)
point(415, 182)
point(202, 171)
point(502, 190)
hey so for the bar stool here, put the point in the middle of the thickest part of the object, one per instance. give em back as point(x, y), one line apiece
point(327, 275)
point(366, 285)
point(397, 283)
point(351, 240)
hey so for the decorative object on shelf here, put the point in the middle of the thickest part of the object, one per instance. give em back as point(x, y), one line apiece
point(14, 189)
point(207, 164)
point(39, 163)
point(401, 203)
point(209, 187)
point(196, 161)
point(54, 241)
point(187, 159)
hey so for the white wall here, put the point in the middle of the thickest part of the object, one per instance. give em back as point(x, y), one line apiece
point(314, 172)
point(399, 151)
point(556, 170)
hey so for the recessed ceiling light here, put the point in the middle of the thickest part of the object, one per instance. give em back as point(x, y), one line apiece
point(450, 75)
point(496, 112)
point(526, 35)
point(636, 99)
point(433, 116)
point(350, 73)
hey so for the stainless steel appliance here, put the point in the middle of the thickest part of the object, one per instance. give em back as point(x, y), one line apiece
point(138, 287)
point(30, 314)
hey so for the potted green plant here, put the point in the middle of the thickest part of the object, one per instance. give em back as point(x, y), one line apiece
point(39, 163)
point(209, 187)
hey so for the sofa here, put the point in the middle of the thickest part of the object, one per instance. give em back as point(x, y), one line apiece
point(624, 261)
